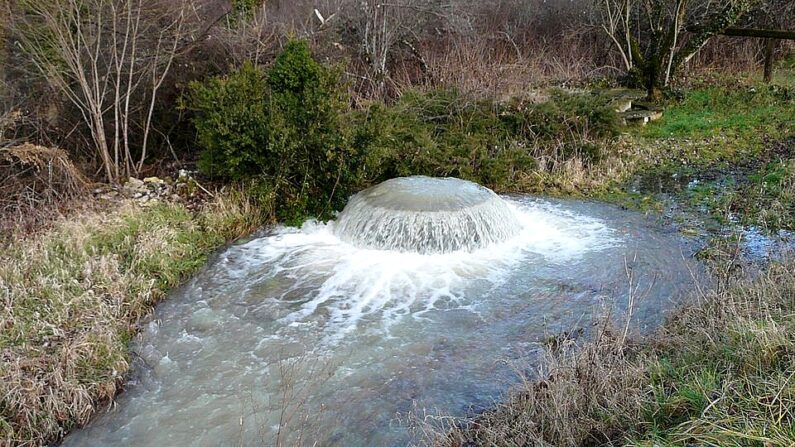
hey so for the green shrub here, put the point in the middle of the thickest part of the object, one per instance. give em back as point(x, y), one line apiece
point(441, 133)
point(424, 134)
point(288, 129)
point(564, 117)
point(282, 128)
point(242, 11)
point(309, 138)
point(233, 123)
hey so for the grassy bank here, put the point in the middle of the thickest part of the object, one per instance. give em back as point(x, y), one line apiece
point(70, 299)
point(724, 152)
point(720, 372)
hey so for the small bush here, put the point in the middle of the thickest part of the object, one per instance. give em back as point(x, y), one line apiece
point(233, 123)
point(587, 151)
point(282, 128)
point(442, 133)
point(564, 117)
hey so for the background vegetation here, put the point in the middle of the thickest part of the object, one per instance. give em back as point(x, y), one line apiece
point(99, 78)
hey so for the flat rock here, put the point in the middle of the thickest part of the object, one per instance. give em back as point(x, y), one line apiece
point(641, 117)
point(621, 105)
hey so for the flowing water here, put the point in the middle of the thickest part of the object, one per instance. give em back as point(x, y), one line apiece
point(299, 335)
point(426, 215)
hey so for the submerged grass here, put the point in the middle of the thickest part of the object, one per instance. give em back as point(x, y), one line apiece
point(70, 300)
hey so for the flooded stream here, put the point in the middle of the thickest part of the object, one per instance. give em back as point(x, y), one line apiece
point(298, 335)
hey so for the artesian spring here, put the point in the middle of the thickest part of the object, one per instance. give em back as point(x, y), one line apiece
point(426, 215)
point(425, 296)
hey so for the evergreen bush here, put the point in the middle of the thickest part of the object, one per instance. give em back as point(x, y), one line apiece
point(283, 128)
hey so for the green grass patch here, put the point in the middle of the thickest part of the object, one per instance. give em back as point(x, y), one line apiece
point(732, 389)
point(728, 112)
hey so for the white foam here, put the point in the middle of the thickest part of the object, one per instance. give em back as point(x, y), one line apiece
point(344, 284)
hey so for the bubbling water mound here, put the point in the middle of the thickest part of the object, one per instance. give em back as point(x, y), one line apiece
point(426, 215)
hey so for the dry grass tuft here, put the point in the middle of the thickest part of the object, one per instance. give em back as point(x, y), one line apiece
point(579, 395)
point(38, 173)
point(70, 300)
point(575, 176)
point(34, 181)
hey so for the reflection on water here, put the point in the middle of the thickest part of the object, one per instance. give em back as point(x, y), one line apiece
point(299, 335)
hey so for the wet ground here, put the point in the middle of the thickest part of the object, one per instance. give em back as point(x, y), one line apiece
point(707, 203)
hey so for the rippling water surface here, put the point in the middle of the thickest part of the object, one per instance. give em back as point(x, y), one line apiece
point(302, 331)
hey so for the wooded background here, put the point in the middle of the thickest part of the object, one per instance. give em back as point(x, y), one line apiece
point(104, 79)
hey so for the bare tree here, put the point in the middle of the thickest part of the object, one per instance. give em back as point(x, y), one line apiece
point(649, 34)
point(614, 18)
point(383, 25)
point(379, 34)
point(109, 58)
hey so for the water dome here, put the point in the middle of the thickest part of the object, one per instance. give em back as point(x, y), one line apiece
point(426, 215)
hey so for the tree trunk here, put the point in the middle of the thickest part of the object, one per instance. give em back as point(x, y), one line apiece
point(654, 94)
point(770, 51)
point(5, 53)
